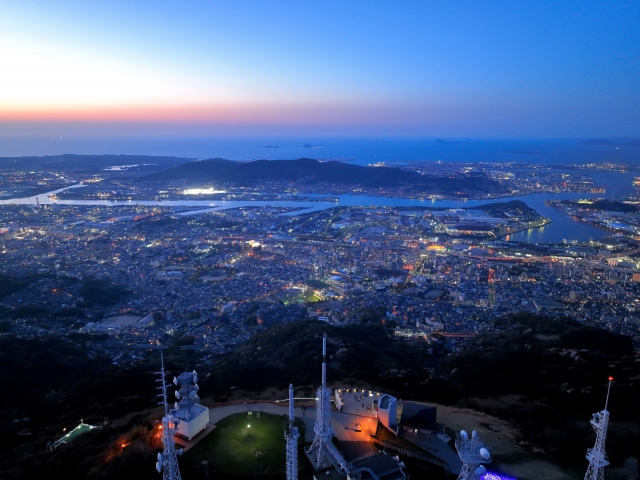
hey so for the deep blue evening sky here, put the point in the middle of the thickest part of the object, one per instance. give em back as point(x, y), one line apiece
point(422, 68)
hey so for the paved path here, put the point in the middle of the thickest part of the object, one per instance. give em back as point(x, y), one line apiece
point(438, 448)
point(187, 444)
point(357, 402)
point(342, 423)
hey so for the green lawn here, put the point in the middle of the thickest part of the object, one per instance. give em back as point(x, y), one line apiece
point(232, 446)
point(76, 432)
point(296, 295)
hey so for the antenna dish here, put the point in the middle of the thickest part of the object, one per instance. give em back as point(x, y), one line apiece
point(176, 406)
point(178, 394)
point(194, 373)
point(192, 394)
point(474, 434)
point(480, 471)
point(195, 379)
point(175, 381)
point(464, 435)
point(484, 453)
point(160, 457)
point(197, 399)
point(158, 467)
point(196, 387)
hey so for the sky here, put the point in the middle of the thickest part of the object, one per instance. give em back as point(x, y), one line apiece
point(501, 69)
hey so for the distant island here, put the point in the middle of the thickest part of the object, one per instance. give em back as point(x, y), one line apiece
point(270, 146)
point(308, 145)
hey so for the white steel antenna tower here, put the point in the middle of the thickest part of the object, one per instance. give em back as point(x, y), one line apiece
point(323, 430)
point(473, 454)
point(322, 451)
point(597, 456)
point(167, 460)
point(292, 442)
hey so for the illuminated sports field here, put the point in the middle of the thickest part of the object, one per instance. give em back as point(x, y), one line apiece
point(233, 445)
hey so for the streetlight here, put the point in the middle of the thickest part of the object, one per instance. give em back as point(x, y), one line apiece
point(249, 427)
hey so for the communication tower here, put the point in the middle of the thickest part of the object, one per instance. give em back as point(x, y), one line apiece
point(191, 417)
point(597, 456)
point(473, 454)
point(292, 442)
point(322, 428)
point(167, 462)
point(322, 453)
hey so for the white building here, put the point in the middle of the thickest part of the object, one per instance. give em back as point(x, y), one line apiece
point(191, 417)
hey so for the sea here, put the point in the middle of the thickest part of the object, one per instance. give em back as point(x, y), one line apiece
point(358, 150)
point(392, 151)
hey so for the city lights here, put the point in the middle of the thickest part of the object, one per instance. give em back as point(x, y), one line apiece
point(202, 191)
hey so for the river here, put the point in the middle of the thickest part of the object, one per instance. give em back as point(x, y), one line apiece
point(561, 227)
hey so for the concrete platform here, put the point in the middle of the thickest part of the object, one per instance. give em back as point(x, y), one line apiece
point(311, 456)
point(186, 444)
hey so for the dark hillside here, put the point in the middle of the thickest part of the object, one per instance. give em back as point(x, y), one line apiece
point(225, 172)
point(9, 285)
point(55, 382)
point(604, 205)
point(545, 376)
point(517, 205)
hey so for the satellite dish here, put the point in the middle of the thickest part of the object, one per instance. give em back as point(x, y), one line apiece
point(484, 453)
point(160, 457)
point(175, 381)
point(180, 452)
point(158, 467)
point(464, 435)
point(178, 394)
point(480, 471)
point(196, 387)
point(195, 374)
point(192, 394)
point(474, 434)
point(195, 379)
point(197, 399)
point(176, 406)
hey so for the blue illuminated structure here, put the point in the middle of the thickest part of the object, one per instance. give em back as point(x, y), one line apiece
point(495, 476)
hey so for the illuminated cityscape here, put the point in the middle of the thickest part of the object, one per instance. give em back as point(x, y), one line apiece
point(338, 240)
